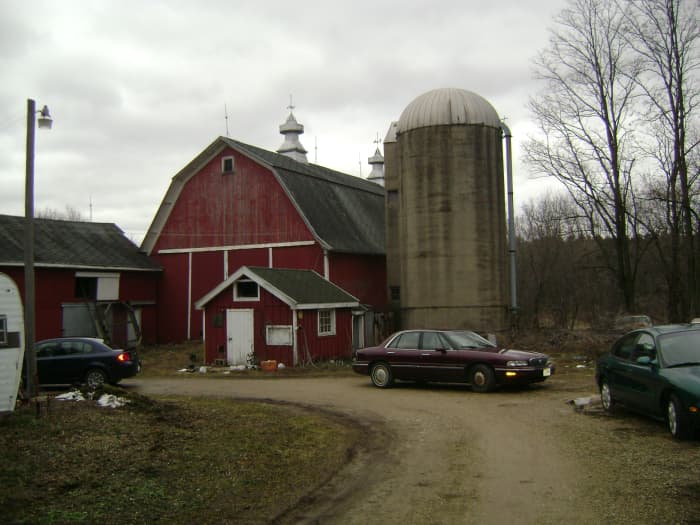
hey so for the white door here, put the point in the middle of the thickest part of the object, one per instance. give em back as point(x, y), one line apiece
point(239, 335)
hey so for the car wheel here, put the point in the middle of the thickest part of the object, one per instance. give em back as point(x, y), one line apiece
point(95, 378)
point(381, 375)
point(606, 396)
point(677, 421)
point(482, 378)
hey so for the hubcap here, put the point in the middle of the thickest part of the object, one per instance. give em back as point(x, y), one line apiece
point(479, 378)
point(380, 375)
point(672, 422)
point(605, 396)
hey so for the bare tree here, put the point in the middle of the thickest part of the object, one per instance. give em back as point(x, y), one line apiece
point(69, 214)
point(585, 116)
point(665, 34)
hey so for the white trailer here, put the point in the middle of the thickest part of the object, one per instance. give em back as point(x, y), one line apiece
point(11, 342)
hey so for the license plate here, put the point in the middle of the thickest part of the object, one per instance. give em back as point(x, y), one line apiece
point(547, 372)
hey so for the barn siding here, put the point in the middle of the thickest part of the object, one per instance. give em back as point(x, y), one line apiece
point(363, 276)
point(56, 286)
point(271, 311)
point(172, 297)
point(246, 207)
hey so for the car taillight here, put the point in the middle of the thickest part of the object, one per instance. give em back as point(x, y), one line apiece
point(124, 357)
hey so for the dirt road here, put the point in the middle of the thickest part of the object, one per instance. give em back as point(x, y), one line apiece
point(446, 455)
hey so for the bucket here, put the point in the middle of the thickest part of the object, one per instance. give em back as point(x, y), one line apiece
point(268, 366)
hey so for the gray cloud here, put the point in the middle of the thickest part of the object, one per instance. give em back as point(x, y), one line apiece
point(137, 89)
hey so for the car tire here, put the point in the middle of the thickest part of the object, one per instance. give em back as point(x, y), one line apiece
point(95, 378)
point(606, 396)
point(482, 378)
point(381, 375)
point(677, 421)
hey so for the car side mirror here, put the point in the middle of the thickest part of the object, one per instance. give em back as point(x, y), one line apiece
point(644, 360)
point(441, 349)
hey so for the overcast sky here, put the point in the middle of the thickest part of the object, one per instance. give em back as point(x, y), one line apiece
point(138, 88)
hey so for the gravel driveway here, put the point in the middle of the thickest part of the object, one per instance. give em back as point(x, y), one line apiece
point(442, 454)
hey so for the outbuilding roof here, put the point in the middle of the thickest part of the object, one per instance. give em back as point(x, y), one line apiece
point(73, 244)
point(300, 289)
point(344, 213)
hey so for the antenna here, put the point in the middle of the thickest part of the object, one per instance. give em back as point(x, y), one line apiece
point(377, 141)
point(226, 118)
point(315, 149)
point(359, 161)
point(90, 208)
point(291, 105)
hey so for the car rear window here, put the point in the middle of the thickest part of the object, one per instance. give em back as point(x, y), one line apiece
point(407, 340)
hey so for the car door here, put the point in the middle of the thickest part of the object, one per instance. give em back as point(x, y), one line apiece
point(618, 366)
point(641, 379)
point(438, 361)
point(403, 354)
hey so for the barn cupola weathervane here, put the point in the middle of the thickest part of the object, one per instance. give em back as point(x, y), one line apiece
point(377, 163)
point(291, 129)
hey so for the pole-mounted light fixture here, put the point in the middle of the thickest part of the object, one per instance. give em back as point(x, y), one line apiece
point(44, 119)
point(45, 122)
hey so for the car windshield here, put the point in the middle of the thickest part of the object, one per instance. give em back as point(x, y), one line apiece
point(465, 339)
point(680, 348)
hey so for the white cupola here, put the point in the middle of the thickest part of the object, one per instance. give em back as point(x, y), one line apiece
point(377, 163)
point(291, 147)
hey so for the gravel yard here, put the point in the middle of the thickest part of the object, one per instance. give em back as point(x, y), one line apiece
point(442, 454)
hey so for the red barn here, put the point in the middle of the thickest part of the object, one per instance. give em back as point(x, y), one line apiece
point(237, 205)
point(90, 280)
point(289, 316)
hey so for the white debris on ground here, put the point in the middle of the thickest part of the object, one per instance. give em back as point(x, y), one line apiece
point(111, 401)
point(73, 395)
point(584, 403)
point(105, 400)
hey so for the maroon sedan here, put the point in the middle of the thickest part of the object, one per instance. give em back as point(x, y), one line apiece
point(449, 356)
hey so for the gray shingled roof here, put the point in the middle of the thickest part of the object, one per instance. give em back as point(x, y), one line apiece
point(71, 244)
point(346, 212)
point(298, 288)
point(304, 286)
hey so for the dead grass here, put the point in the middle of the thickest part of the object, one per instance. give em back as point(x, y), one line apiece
point(177, 461)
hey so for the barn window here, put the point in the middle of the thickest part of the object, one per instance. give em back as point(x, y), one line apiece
point(3, 330)
point(326, 322)
point(86, 288)
point(95, 286)
point(277, 335)
point(227, 165)
point(395, 292)
point(246, 290)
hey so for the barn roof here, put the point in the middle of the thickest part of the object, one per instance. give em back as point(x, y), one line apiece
point(300, 289)
point(73, 244)
point(345, 213)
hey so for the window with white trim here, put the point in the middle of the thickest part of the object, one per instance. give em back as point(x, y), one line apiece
point(246, 290)
point(278, 335)
point(326, 322)
point(227, 165)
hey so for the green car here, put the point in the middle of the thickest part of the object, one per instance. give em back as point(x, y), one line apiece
point(656, 371)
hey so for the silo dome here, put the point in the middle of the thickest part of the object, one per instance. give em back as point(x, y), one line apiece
point(448, 106)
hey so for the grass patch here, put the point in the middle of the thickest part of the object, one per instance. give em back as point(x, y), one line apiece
point(175, 461)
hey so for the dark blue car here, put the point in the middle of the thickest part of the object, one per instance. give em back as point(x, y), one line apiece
point(656, 371)
point(75, 360)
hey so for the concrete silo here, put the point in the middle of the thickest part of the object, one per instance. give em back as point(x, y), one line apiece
point(446, 225)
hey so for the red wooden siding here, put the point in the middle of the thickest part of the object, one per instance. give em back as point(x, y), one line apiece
point(172, 297)
point(364, 276)
point(245, 207)
point(271, 311)
point(56, 286)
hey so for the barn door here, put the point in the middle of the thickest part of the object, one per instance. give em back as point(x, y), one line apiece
point(239, 336)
